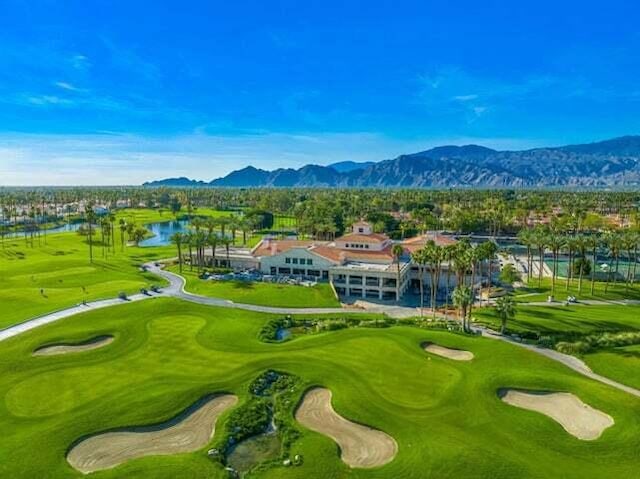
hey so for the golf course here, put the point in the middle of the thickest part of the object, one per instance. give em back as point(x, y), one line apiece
point(445, 416)
point(176, 386)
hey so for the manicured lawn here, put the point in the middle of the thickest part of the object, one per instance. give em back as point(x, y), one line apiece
point(46, 278)
point(580, 319)
point(621, 364)
point(144, 216)
point(264, 294)
point(444, 415)
point(615, 291)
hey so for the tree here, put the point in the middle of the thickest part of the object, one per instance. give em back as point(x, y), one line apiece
point(419, 257)
point(397, 251)
point(90, 217)
point(178, 240)
point(139, 234)
point(461, 300)
point(509, 275)
point(505, 309)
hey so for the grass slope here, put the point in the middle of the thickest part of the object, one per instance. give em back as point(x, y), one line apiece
point(62, 270)
point(445, 415)
point(264, 294)
point(580, 319)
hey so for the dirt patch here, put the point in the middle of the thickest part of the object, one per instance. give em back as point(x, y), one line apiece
point(577, 418)
point(449, 353)
point(360, 446)
point(187, 432)
point(64, 348)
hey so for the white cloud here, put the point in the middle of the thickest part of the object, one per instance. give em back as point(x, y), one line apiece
point(464, 98)
point(67, 86)
point(48, 100)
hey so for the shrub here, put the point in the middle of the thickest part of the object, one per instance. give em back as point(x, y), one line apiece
point(122, 295)
point(581, 264)
point(579, 347)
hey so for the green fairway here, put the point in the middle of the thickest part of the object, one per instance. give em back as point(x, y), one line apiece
point(46, 278)
point(621, 364)
point(444, 415)
point(580, 319)
point(264, 294)
point(615, 291)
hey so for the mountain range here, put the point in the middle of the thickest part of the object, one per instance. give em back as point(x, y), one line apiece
point(611, 163)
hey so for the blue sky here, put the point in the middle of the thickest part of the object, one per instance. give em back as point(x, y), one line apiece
point(113, 92)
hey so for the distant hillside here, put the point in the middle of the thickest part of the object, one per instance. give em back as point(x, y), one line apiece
point(611, 163)
point(347, 166)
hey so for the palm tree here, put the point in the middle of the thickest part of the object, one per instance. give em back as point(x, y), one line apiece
point(419, 257)
point(123, 229)
point(580, 245)
point(540, 239)
point(178, 239)
point(506, 309)
point(593, 242)
point(90, 217)
point(461, 300)
point(556, 243)
point(212, 241)
point(449, 254)
point(397, 251)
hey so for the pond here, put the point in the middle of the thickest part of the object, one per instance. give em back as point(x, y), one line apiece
point(58, 229)
point(163, 231)
point(251, 452)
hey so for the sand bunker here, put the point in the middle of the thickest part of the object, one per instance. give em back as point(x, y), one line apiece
point(187, 432)
point(577, 418)
point(93, 343)
point(455, 354)
point(360, 446)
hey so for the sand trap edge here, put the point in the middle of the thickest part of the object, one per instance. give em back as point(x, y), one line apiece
point(446, 352)
point(54, 349)
point(581, 431)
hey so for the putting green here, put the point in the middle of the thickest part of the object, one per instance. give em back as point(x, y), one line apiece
point(444, 415)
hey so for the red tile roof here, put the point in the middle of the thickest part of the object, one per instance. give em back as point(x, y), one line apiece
point(418, 242)
point(362, 238)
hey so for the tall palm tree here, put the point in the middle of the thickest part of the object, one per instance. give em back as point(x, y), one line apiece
point(212, 240)
point(90, 217)
point(123, 230)
point(178, 240)
point(419, 257)
point(461, 300)
point(397, 251)
point(593, 241)
point(540, 239)
point(580, 245)
point(449, 254)
point(556, 243)
point(506, 309)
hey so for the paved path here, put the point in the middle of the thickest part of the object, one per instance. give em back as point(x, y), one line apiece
point(175, 289)
point(570, 361)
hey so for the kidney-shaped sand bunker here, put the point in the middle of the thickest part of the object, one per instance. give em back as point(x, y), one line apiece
point(449, 353)
point(576, 417)
point(360, 446)
point(187, 432)
point(64, 348)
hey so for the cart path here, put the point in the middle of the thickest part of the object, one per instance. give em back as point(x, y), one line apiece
point(175, 289)
point(569, 361)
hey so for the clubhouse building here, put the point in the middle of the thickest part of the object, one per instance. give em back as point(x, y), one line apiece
point(359, 264)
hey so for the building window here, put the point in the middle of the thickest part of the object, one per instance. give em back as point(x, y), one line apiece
point(366, 246)
point(284, 270)
point(360, 230)
point(295, 260)
point(287, 260)
point(309, 261)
